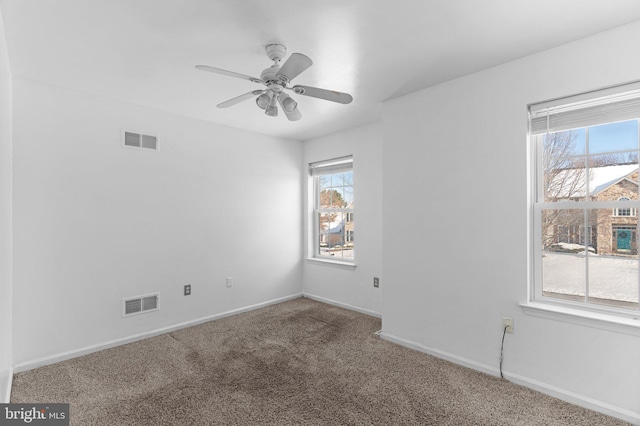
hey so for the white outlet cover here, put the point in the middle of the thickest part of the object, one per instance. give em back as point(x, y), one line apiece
point(508, 322)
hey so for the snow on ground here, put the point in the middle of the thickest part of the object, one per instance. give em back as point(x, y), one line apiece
point(613, 278)
point(569, 247)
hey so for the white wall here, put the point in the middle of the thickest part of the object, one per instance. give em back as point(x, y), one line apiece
point(95, 222)
point(455, 164)
point(6, 345)
point(351, 287)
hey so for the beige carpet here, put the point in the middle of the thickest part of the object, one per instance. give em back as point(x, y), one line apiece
point(296, 363)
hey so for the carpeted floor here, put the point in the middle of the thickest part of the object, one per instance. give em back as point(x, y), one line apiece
point(296, 363)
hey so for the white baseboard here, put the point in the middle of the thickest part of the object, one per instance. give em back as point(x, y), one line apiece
point(6, 381)
point(576, 399)
point(40, 362)
point(342, 305)
point(441, 354)
point(562, 394)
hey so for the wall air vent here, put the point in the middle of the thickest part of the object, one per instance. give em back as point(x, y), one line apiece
point(140, 304)
point(138, 140)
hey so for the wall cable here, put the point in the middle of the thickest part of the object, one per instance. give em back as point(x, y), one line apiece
point(504, 333)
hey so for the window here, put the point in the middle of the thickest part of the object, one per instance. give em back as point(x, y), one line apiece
point(585, 150)
point(626, 211)
point(333, 225)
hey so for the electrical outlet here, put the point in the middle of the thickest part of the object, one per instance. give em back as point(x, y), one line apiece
point(376, 282)
point(187, 289)
point(229, 281)
point(508, 323)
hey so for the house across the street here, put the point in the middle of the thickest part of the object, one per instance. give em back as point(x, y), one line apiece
point(609, 231)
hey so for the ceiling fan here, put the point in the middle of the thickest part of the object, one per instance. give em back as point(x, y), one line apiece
point(277, 78)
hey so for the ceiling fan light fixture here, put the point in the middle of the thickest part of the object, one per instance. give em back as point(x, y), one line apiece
point(271, 111)
point(289, 104)
point(263, 100)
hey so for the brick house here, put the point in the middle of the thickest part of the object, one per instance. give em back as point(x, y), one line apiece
point(616, 229)
point(610, 231)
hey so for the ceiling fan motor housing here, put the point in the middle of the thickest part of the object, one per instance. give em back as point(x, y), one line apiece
point(269, 76)
point(275, 52)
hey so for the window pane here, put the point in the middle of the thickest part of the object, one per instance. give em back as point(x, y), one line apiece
point(564, 179)
point(348, 196)
point(330, 198)
point(563, 254)
point(336, 235)
point(563, 230)
point(613, 272)
point(611, 137)
point(569, 143)
point(324, 181)
point(324, 223)
point(336, 191)
point(337, 197)
point(613, 176)
point(342, 179)
point(613, 159)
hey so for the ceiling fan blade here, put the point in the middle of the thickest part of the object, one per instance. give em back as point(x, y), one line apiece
point(329, 95)
point(294, 115)
point(229, 73)
point(296, 63)
point(240, 98)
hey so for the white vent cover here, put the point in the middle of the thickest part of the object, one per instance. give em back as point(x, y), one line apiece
point(140, 304)
point(138, 140)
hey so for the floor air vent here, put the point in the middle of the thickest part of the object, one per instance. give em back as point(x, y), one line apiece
point(138, 140)
point(140, 304)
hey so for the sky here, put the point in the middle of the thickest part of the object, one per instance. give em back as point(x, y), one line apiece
point(606, 138)
point(613, 137)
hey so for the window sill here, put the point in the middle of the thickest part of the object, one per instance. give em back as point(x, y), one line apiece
point(585, 318)
point(331, 262)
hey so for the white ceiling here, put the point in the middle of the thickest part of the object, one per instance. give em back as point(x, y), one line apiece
point(144, 51)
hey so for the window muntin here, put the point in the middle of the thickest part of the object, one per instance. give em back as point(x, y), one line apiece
point(333, 203)
point(585, 210)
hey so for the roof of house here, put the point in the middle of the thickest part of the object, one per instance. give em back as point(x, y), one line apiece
point(603, 177)
point(600, 178)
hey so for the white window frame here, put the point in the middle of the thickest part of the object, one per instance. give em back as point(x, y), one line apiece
point(610, 105)
point(317, 169)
